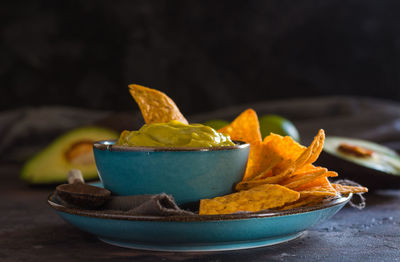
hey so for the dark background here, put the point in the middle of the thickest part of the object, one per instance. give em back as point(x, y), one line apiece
point(204, 54)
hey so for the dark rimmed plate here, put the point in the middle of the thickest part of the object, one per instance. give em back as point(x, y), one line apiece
point(199, 233)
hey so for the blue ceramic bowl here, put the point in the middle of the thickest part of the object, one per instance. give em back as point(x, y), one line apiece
point(187, 173)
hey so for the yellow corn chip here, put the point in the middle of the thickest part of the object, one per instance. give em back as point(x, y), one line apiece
point(320, 181)
point(273, 161)
point(288, 149)
point(244, 128)
point(345, 190)
point(261, 159)
point(302, 202)
point(321, 191)
point(311, 153)
point(285, 152)
point(295, 157)
point(309, 168)
point(320, 144)
point(253, 200)
point(302, 179)
point(156, 107)
point(245, 185)
point(300, 157)
point(254, 161)
point(321, 187)
point(275, 179)
point(286, 146)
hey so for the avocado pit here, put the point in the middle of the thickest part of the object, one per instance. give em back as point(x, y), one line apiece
point(357, 151)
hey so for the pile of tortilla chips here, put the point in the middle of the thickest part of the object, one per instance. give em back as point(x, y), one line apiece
point(280, 173)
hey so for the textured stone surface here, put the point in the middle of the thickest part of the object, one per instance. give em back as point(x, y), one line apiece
point(31, 231)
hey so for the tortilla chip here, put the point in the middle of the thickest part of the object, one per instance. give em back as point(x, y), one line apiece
point(273, 161)
point(295, 158)
point(284, 151)
point(319, 141)
point(244, 128)
point(320, 181)
point(254, 161)
point(156, 107)
point(345, 190)
point(274, 179)
point(286, 146)
point(246, 185)
point(253, 200)
point(302, 178)
point(302, 202)
point(320, 188)
point(288, 149)
point(299, 157)
point(308, 168)
point(311, 153)
point(322, 191)
point(261, 159)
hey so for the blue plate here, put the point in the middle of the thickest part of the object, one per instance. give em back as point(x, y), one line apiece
point(199, 233)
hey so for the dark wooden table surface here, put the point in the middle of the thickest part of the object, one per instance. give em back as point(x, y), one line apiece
point(31, 231)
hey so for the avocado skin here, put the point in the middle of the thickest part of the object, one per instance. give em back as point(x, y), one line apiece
point(368, 177)
point(50, 166)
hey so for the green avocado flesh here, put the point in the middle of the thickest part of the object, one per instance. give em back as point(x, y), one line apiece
point(71, 150)
point(382, 159)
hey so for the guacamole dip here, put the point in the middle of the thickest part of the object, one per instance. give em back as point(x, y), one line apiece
point(174, 134)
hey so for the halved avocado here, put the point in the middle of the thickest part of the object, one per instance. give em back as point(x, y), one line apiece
point(367, 163)
point(73, 149)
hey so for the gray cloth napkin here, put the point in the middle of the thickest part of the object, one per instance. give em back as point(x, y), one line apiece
point(140, 205)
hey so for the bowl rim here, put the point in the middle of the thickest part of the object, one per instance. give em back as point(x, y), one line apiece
point(198, 218)
point(109, 145)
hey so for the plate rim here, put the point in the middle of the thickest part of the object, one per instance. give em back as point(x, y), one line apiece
point(206, 247)
point(196, 218)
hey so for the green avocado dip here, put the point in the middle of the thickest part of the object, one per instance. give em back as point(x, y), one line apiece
point(174, 134)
